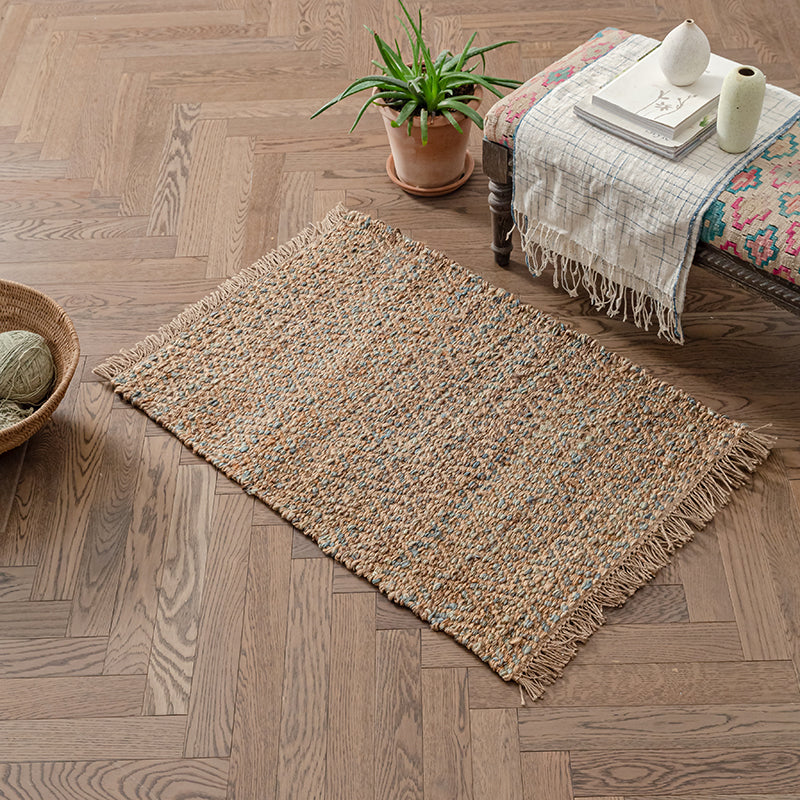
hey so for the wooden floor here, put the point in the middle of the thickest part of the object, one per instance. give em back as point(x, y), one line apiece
point(163, 635)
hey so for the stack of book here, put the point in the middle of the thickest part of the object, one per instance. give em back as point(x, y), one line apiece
point(643, 107)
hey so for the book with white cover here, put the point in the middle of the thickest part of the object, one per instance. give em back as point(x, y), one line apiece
point(672, 148)
point(642, 94)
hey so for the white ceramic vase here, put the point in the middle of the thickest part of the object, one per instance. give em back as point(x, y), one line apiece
point(684, 54)
point(739, 110)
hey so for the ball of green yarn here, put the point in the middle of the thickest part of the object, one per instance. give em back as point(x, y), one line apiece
point(11, 413)
point(26, 367)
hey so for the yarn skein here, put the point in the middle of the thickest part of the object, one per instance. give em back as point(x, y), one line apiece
point(11, 413)
point(27, 370)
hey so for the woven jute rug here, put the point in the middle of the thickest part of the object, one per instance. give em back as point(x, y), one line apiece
point(500, 475)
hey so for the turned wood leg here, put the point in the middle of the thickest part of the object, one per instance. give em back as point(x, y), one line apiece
point(502, 221)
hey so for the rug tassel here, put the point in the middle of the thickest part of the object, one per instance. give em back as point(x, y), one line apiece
point(694, 511)
point(125, 359)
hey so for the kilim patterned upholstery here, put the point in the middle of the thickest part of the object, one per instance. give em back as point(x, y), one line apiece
point(755, 218)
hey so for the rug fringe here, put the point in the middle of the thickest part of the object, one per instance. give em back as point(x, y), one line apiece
point(125, 359)
point(573, 267)
point(694, 511)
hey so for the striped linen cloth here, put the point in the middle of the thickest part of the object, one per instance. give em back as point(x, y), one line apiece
point(611, 216)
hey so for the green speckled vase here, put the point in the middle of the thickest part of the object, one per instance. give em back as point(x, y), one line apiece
point(740, 102)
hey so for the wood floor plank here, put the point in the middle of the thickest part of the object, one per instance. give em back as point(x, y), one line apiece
point(297, 209)
point(180, 595)
point(671, 683)
point(47, 86)
point(120, 779)
point(703, 577)
point(390, 616)
point(398, 716)
point(219, 638)
point(635, 644)
point(744, 556)
point(65, 118)
point(16, 583)
point(447, 754)
point(57, 571)
point(43, 658)
point(442, 651)
point(18, 87)
point(496, 769)
point(173, 171)
point(108, 525)
point(137, 592)
point(257, 724)
point(781, 522)
point(99, 738)
point(686, 774)
point(546, 774)
point(119, 134)
point(263, 216)
point(34, 619)
point(351, 699)
point(695, 727)
point(226, 248)
point(96, 115)
point(151, 137)
point(304, 709)
point(651, 604)
point(14, 23)
point(196, 218)
point(85, 696)
point(10, 471)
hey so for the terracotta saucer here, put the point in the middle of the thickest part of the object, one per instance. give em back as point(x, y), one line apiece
point(436, 191)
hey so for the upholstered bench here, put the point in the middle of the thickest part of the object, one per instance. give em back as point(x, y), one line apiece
point(751, 232)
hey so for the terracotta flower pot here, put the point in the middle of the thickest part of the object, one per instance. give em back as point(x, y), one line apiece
point(438, 167)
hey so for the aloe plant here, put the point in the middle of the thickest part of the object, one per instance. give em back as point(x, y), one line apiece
point(424, 86)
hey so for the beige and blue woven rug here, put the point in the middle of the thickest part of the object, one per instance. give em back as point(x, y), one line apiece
point(483, 465)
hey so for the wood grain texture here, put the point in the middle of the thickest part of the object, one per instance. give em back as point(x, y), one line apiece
point(257, 725)
point(92, 739)
point(398, 716)
point(304, 707)
point(108, 526)
point(56, 575)
point(123, 779)
point(181, 584)
point(135, 606)
point(87, 696)
point(447, 751)
point(496, 770)
point(756, 770)
point(219, 638)
point(34, 619)
point(49, 657)
point(693, 727)
point(351, 699)
point(546, 774)
point(16, 583)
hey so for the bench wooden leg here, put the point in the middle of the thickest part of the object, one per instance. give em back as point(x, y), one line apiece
point(502, 221)
point(498, 168)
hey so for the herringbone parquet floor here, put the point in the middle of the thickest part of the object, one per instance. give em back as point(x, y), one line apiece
point(162, 635)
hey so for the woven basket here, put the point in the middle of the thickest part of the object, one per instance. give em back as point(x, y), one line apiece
point(23, 308)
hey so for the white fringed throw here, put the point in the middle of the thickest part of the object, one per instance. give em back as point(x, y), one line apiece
point(611, 216)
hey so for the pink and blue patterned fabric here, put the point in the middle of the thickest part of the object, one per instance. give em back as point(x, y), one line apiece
point(755, 218)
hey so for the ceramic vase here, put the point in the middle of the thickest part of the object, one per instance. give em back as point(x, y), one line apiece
point(684, 54)
point(740, 102)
